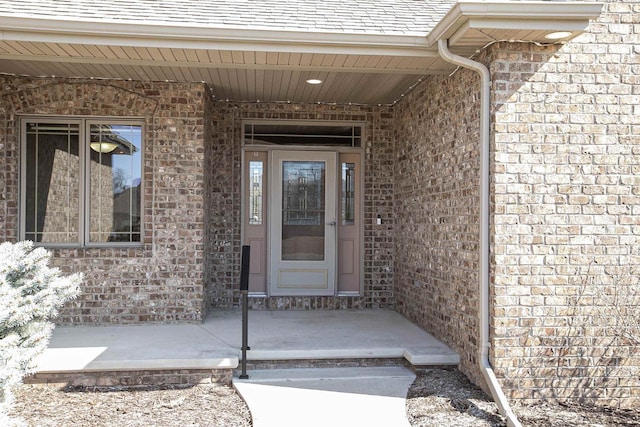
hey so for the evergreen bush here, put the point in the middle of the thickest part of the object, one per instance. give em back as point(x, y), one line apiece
point(30, 294)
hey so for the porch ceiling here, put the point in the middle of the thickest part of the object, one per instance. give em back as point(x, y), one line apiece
point(239, 75)
point(269, 64)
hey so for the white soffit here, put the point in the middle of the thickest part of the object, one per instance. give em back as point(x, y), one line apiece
point(472, 24)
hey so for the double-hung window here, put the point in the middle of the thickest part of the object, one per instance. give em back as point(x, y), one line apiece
point(81, 181)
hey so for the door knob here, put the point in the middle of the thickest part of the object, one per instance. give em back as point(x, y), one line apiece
point(332, 223)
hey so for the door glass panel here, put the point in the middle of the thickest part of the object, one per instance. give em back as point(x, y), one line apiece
point(255, 192)
point(348, 193)
point(303, 210)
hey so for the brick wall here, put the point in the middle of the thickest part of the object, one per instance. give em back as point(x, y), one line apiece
point(565, 205)
point(437, 211)
point(566, 214)
point(162, 280)
point(223, 205)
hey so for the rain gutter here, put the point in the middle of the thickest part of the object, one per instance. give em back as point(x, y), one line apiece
point(483, 359)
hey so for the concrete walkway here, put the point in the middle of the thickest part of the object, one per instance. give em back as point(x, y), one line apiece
point(336, 397)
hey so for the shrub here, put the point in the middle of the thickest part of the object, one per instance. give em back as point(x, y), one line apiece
point(30, 295)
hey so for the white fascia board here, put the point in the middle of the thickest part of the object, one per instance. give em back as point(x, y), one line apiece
point(509, 14)
point(144, 34)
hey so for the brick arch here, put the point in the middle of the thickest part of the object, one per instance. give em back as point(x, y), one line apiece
point(80, 98)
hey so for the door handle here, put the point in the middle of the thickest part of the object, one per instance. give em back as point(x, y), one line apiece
point(332, 223)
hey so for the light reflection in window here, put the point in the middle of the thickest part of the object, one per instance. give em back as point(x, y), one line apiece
point(115, 179)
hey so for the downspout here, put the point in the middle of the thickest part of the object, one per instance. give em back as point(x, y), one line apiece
point(483, 353)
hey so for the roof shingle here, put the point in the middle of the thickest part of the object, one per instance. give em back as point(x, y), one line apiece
point(408, 17)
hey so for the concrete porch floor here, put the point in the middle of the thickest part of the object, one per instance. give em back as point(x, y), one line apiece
point(215, 344)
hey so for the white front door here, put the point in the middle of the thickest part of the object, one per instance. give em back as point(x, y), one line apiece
point(303, 223)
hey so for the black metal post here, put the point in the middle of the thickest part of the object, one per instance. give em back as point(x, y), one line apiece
point(244, 291)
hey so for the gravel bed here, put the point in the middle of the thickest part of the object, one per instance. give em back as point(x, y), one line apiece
point(575, 416)
point(200, 405)
point(438, 398)
point(445, 397)
point(442, 397)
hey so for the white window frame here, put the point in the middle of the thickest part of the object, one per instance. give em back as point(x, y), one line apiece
point(84, 222)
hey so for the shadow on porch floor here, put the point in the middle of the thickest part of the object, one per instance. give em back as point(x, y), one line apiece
point(215, 344)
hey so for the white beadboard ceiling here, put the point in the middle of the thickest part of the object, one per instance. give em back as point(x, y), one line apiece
point(258, 64)
point(234, 75)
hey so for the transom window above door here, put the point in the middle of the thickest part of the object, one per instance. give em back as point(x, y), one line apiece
point(81, 181)
point(308, 134)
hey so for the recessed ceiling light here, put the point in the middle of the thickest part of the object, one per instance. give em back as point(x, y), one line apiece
point(558, 35)
point(314, 81)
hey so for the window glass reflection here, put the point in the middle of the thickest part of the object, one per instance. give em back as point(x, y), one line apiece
point(52, 197)
point(115, 181)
